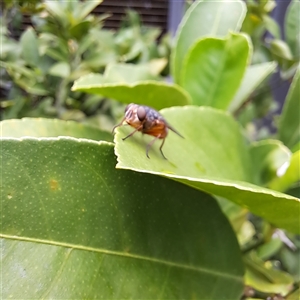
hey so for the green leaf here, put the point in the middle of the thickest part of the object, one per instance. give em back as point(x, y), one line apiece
point(291, 175)
point(80, 30)
point(269, 249)
point(152, 93)
point(292, 27)
point(58, 11)
point(268, 156)
point(212, 157)
point(281, 50)
point(214, 68)
point(255, 75)
point(272, 26)
point(74, 227)
point(264, 278)
point(295, 295)
point(51, 128)
point(205, 18)
point(30, 51)
point(82, 10)
point(127, 73)
point(61, 69)
point(289, 123)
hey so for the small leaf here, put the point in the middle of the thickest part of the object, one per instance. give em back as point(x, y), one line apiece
point(269, 249)
point(30, 51)
point(291, 175)
point(74, 227)
point(205, 18)
point(155, 94)
point(265, 279)
point(289, 123)
point(213, 69)
point(212, 157)
point(254, 75)
point(268, 156)
point(80, 30)
point(83, 9)
point(60, 69)
point(292, 27)
point(58, 11)
point(280, 49)
point(51, 128)
point(272, 26)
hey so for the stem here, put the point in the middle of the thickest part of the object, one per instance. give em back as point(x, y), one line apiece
point(61, 96)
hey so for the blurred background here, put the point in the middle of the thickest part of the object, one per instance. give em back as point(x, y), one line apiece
point(126, 31)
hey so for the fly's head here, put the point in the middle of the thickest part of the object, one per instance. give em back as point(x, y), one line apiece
point(132, 115)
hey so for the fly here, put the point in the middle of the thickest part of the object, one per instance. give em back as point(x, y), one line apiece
point(146, 120)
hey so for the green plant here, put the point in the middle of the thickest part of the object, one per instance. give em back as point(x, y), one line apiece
point(269, 45)
point(139, 228)
point(66, 42)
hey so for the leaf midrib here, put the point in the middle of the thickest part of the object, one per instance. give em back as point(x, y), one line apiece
point(123, 254)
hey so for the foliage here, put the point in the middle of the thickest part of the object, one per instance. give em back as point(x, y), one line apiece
point(269, 45)
point(66, 42)
point(108, 222)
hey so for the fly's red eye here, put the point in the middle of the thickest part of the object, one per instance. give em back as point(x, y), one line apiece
point(141, 113)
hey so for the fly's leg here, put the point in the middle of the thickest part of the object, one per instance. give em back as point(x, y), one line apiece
point(160, 148)
point(132, 133)
point(151, 144)
point(118, 125)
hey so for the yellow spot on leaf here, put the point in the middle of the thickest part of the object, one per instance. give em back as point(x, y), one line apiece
point(54, 185)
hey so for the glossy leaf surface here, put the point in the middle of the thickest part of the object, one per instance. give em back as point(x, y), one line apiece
point(254, 75)
point(213, 157)
point(155, 94)
point(289, 123)
point(51, 128)
point(102, 232)
point(205, 18)
point(213, 69)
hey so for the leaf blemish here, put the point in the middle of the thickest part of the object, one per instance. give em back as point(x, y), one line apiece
point(54, 185)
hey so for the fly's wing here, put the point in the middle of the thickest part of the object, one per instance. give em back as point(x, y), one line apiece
point(174, 130)
point(156, 128)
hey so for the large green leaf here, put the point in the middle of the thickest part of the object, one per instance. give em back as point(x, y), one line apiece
point(292, 27)
point(128, 73)
point(74, 227)
point(254, 75)
point(153, 93)
point(213, 69)
point(212, 157)
point(289, 123)
point(51, 128)
point(205, 18)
